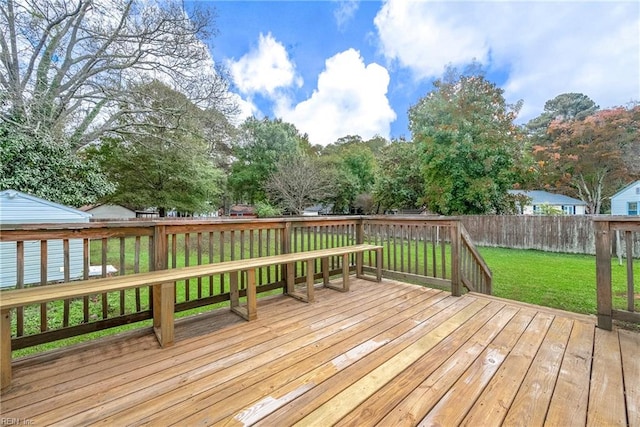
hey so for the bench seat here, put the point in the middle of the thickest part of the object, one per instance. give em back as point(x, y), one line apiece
point(164, 290)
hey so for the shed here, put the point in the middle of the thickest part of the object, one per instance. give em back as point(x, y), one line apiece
point(627, 200)
point(21, 208)
point(568, 205)
point(105, 211)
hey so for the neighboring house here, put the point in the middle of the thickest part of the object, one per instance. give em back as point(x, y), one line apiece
point(568, 205)
point(21, 208)
point(243, 210)
point(317, 210)
point(108, 212)
point(627, 200)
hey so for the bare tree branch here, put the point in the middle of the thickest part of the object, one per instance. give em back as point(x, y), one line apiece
point(68, 65)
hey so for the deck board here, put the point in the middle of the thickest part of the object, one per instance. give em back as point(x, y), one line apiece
point(381, 354)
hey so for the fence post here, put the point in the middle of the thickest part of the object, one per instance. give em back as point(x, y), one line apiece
point(163, 294)
point(603, 273)
point(456, 287)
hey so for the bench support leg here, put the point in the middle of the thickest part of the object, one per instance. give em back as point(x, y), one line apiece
point(5, 351)
point(249, 312)
point(252, 310)
point(359, 262)
point(163, 298)
point(379, 265)
point(310, 273)
point(325, 271)
point(291, 278)
point(345, 272)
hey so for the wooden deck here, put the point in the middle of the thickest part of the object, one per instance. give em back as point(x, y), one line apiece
point(385, 353)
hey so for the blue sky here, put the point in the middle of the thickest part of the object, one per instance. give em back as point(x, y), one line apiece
point(334, 68)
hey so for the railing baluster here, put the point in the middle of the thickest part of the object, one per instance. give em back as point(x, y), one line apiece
point(630, 289)
point(20, 285)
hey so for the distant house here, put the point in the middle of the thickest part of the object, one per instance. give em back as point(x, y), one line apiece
point(627, 200)
point(243, 210)
point(21, 208)
point(317, 210)
point(107, 211)
point(540, 199)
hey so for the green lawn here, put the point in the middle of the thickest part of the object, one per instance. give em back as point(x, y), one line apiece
point(564, 281)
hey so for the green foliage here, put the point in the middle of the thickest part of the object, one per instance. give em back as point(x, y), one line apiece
point(265, 210)
point(36, 164)
point(399, 183)
point(471, 148)
point(168, 166)
point(566, 106)
point(262, 144)
point(352, 169)
point(547, 209)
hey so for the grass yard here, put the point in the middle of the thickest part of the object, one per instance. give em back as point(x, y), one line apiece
point(564, 281)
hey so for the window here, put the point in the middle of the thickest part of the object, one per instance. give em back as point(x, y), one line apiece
point(569, 210)
point(632, 208)
point(638, 190)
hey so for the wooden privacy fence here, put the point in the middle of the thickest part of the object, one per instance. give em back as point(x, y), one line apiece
point(429, 251)
point(612, 303)
point(554, 233)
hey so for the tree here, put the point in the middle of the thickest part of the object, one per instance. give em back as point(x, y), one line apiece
point(37, 164)
point(169, 165)
point(297, 183)
point(564, 107)
point(586, 158)
point(472, 150)
point(399, 183)
point(352, 168)
point(69, 66)
point(261, 145)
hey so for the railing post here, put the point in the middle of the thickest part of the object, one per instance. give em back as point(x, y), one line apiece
point(603, 274)
point(288, 270)
point(163, 294)
point(456, 286)
point(360, 232)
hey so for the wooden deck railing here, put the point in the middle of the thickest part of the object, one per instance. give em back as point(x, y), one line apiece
point(429, 251)
point(616, 301)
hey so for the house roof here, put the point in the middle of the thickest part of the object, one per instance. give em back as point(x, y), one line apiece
point(6, 195)
point(539, 197)
point(633, 184)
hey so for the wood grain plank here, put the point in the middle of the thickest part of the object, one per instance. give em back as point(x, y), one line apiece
point(278, 382)
point(187, 367)
point(452, 407)
point(630, 349)
point(573, 380)
point(492, 405)
point(464, 344)
point(356, 393)
point(532, 401)
point(425, 322)
point(606, 396)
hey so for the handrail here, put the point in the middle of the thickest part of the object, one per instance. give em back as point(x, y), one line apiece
point(477, 277)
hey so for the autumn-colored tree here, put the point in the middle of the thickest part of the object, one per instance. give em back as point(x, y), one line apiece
point(586, 158)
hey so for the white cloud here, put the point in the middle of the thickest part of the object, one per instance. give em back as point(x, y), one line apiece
point(265, 69)
point(350, 99)
point(345, 11)
point(547, 48)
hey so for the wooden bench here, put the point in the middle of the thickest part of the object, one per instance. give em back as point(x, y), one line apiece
point(164, 289)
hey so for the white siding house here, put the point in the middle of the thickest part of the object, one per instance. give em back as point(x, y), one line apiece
point(106, 211)
point(627, 200)
point(568, 205)
point(21, 208)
